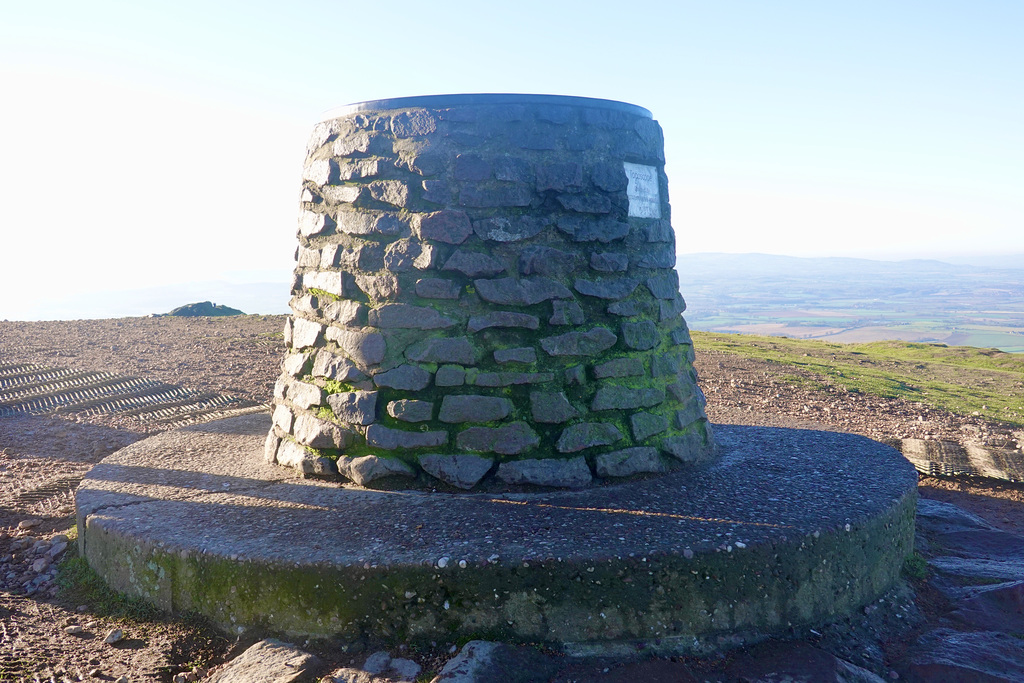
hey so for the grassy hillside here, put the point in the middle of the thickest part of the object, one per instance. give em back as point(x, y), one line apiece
point(961, 379)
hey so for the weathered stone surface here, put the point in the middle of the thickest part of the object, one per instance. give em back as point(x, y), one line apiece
point(640, 336)
point(609, 262)
point(948, 655)
point(575, 376)
point(411, 410)
point(664, 285)
point(462, 470)
point(367, 256)
point(404, 377)
point(283, 418)
point(644, 425)
point(404, 255)
point(585, 202)
point(663, 256)
point(294, 364)
point(609, 288)
point(629, 461)
point(587, 435)
point(358, 169)
point(509, 229)
point(609, 176)
point(522, 354)
point(510, 439)
point(619, 367)
point(680, 390)
point(665, 365)
point(482, 661)
point(437, 288)
point(450, 227)
point(393, 192)
point(437, 191)
point(413, 123)
point(628, 309)
point(354, 407)
point(329, 281)
point(659, 231)
point(547, 261)
point(473, 264)
point(572, 473)
point(363, 470)
point(305, 333)
point(559, 176)
point(343, 194)
point(345, 312)
point(365, 348)
point(305, 395)
point(269, 661)
point(363, 222)
point(270, 446)
point(330, 366)
point(458, 350)
point(681, 335)
point(670, 309)
point(796, 661)
point(551, 407)
point(404, 316)
point(692, 410)
point(591, 229)
point(526, 292)
point(513, 169)
point(392, 439)
point(379, 287)
point(626, 398)
point(471, 408)
point(494, 195)
point(687, 448)
point(308, 258)
point(566, 313)
point(450, 376)
point(311, 224)
point(297, 457)
point(589, 343)
point(506, 379)
point(319, 172)
point(471, 167)
point(319, 433)
point(503, 319)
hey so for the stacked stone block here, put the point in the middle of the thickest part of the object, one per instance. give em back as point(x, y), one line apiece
point(481, 294)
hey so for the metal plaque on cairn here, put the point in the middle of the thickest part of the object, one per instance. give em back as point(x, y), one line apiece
point(485, 297)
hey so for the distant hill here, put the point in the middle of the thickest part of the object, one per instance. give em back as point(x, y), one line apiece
point(854, 300)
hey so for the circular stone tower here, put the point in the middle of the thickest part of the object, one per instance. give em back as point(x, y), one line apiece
point(485, 295)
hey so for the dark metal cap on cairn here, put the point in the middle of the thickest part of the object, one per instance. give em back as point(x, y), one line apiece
point(485, 296)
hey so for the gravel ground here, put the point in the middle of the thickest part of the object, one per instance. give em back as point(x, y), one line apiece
point(42, 459)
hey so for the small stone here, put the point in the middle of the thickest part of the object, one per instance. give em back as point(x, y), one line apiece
point(463, 470)
point(318, 433)
point(364, 222)
point(566, 313)
point(471, 167)
point(681, 335)
point(470, 408)
point(506, 229)
point(587, 435)
point(510, 439)
point(665, 365)
point(437, 288)
point(504, 319)
point(575, 376)
point(585, 203)
point(329, 366)
point(525, 292)
point(305, 395)
point(551, 408)
point(644, 425)
point(354, 407)
point(663, 256)
point(571, 473)
point(405, 255)
point(404, 377)
point(609, 262)
point(629, 461)
point(458, 350)
point(393, 192)
point(664, 286)
point(688, 448)
point(311, 224)
point(589, 343)
point(667, 310)
point(626, 398)
point(506, 379)
point(559, 176)
point(305, 333)
point(365, 348)
point(114, 635)
point(547, 261)
point(413, 123)
point(296, 456)
point(494, 195)
point(473, 264)
point(405, 316)
point(368, 468)
point(612, 288)
point(450, 227)
point(442, 562)
point(641, 336)
point(379, 287)
point(593, 229)
point(95, 673)
point(395, 439)
point(619, 367)
point(408, 410)
point(522, 354)
point(404, 669)
point(450, 376)
point(73, 630)
point(377, 663)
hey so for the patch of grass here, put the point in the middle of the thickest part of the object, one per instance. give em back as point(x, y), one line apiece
point(333, 386)
point(321, 294)
point(79, 584)
point(962, 380)
point(915, 567)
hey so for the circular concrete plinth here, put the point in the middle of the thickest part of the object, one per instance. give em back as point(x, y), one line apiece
point(789, 528)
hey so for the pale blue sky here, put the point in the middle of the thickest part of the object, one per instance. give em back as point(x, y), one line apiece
point(151, 143)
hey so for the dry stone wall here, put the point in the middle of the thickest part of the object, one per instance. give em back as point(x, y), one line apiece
point(485, 292)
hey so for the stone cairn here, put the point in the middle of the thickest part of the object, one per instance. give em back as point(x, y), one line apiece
point(485, 296)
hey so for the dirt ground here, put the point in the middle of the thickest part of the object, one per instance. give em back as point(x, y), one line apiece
point(47, 635)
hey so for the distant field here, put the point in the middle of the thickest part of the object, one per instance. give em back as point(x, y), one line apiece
point(961, 379)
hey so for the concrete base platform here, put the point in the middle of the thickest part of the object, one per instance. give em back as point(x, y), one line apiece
point(790, 528)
